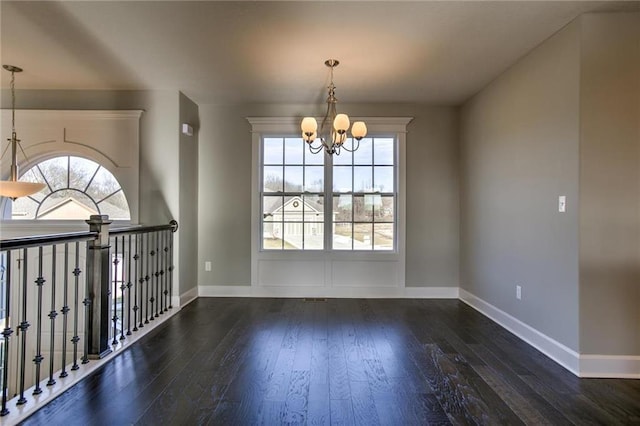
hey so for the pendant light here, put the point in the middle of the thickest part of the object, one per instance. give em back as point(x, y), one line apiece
point(13, 188)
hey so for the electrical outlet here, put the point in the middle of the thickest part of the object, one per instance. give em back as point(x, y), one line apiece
point(518, 292)
point(207, 266)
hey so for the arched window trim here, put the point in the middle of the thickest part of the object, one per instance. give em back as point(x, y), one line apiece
point(5, 207)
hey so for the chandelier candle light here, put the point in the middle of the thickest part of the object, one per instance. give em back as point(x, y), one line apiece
point(333, 140)
point(12, 188)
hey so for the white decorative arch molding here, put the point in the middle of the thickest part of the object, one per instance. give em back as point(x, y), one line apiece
point(110, 138)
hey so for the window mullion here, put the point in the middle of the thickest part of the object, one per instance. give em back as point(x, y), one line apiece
point(328, 202)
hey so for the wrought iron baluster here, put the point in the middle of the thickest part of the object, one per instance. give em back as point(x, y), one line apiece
point(23, 327)
point(75, 339)
point(165, 275)
point(52, 315)
point(37, 360)
point(122, 289)
point(65, 311)
point(153, 253)
point(6, 334)
point(173, 222)
point(136, 284)
point(115, 293)
point(86, 302)
point(146, 279)
point(129, 257)
point(157, 273)
point(141, 280)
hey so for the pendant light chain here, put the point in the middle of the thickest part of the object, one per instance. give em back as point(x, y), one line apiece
point(13, 103)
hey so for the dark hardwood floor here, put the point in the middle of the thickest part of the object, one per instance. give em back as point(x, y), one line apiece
point(344, 361)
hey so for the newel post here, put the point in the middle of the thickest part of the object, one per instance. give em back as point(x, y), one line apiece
point(98, 285)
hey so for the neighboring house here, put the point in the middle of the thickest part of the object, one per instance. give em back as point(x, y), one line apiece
point(67, 209)
point(291, 218)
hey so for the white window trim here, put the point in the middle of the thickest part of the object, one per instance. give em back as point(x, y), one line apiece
point(291, 126)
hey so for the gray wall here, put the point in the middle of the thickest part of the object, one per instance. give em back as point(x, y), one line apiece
point(188, 194)
point(225, 190)
point(610, 185)
point(565, 120)
point(159, 159)
point(519, 152)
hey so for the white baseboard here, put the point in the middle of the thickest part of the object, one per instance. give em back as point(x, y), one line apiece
point(188, 297)
point(344, 292)
point(555, 350)
point(610, 366)
point(582, 365)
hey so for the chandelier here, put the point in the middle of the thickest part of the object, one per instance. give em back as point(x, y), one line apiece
point(12, 188)
point(333, 130)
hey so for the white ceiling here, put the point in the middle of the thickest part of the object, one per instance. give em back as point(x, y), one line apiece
point(438, 52)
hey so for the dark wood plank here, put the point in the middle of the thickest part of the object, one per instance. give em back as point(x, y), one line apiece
point(341, 412)
point(338, 373)
point(297, 402)
point(498, 374)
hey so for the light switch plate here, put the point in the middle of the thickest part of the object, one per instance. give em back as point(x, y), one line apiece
point(562, 203)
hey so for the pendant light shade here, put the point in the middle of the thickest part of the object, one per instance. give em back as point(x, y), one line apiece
point(15, 189)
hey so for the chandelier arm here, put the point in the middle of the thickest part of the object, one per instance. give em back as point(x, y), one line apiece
point(354, 148)
point(316, 149)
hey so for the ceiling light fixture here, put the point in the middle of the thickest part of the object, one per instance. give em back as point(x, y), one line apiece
point(12, 188)
point(334, 139)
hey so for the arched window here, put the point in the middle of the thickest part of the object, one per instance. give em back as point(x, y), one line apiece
point(75, 188)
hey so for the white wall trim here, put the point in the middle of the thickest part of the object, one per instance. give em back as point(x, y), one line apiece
point(566, 357)
point(331, 292)
point(610, 366)
point(188, 297)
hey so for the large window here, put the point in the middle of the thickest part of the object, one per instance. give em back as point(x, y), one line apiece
point(349, 203)
point(75, 188)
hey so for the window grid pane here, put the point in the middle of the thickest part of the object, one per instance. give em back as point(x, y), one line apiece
point(362, 208)
point(364, 197)
point(292, 196)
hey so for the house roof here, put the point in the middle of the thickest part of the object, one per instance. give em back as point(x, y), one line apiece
point(68, 208)
point(439, 52)
point(273, 205)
